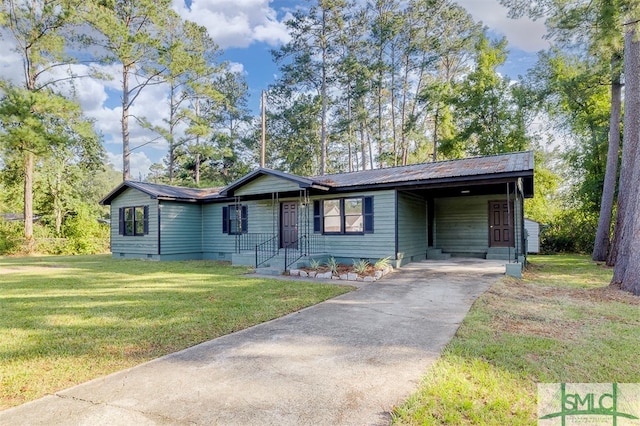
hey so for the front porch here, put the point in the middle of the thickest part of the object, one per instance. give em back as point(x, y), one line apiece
point(267, 252)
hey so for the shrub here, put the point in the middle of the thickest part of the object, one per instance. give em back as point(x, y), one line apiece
point(360, 266)
point(572, 231)
point(10, 237)
point(314, 264)
point(84, 234)
point(385, 262)
point(332, 264)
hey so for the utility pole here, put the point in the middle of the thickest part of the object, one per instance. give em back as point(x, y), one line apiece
point(264, 129)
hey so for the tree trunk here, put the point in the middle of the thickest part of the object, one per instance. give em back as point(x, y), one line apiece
point(28, 200)
point(323, 94)
point(435, 133)
point(126, 152)
point(628, 195)
point(601, 244)
point(393, 105)
point(363, 147)
point(197, 169)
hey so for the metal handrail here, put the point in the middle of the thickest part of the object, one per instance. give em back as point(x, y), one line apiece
point(266, 250)
point(301, 245)
point(248, 241)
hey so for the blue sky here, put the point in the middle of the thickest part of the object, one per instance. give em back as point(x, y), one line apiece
point(246, 30)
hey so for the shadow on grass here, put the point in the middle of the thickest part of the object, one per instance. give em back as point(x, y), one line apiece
point(66, 320)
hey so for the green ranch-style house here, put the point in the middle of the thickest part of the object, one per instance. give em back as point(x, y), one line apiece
point(471, 207)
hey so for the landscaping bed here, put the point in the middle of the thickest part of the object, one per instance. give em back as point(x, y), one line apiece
point(359, 271)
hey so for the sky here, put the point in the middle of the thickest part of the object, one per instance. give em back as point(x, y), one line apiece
point(246, 31)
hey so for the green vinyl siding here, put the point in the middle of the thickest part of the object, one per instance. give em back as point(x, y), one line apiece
point(412, 228)
point(142, 246)
point(216, 244)
point(267, 185)
point(376, 245)
point(181, 230)
point(462, 224)
point(219, 245)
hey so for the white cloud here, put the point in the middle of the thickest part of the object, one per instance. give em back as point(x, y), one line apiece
point(523, 33)
point(236, 68)
point(236, 23)
point(139, 164)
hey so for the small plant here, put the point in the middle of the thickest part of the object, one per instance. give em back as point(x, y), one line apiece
point(360, 266)
point(332, 264)
point(383, 263)
point(314, 264)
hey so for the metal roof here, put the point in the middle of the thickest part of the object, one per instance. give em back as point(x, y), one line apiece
point(163, 192)
point(518, 164)
point(468, 167)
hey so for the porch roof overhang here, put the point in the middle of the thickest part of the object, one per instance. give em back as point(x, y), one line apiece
point(479, 185)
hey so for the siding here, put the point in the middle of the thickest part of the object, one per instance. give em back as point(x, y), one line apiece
point(145, 246)
point(412, 227)
point(461, 224)
point(267, 185)
point(379, 244)
point(180, 230)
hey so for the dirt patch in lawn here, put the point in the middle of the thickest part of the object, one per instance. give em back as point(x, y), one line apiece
point(552, 312)
point(19, 269)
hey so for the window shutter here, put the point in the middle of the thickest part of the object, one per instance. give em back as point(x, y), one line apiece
point(317, 217)
point(146, 220)
point(225, 220)
point(245, 221)
point(368, 215)
point(121, 221)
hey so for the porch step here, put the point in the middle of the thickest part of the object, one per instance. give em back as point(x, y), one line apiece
point(269, 271)
point(437, 254)
point(500, 253)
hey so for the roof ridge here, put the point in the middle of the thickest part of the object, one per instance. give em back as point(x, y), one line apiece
point(423, 164)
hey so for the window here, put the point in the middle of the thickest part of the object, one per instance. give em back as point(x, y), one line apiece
point(234, 219)
point(343, 215)
point(332, 218)
point(134, 221)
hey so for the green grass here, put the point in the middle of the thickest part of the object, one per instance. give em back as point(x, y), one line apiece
point(65, 320)
point(560, 323)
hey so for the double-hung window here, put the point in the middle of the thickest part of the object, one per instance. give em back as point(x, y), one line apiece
point(353, 215)
point(235, 219)
point(133, 221)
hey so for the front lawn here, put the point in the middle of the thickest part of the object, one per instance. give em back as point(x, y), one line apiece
point(561, 323)
point(66, 320)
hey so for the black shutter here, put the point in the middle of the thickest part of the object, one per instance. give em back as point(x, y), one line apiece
point(245, 221)
point(368, 215)
point(225, 220)
point(146, 220)
point(121, 221)
point(317, 217)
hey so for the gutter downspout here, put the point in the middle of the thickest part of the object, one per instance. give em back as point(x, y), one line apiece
point(397, 244)
point(159, 227)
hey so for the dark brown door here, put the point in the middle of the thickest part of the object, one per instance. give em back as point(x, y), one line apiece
point(501, 224)
point(289, 224)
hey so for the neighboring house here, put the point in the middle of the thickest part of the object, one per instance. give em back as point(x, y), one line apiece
point(533, 235)
point(469, 207)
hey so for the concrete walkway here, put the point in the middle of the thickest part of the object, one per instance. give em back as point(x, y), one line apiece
point(347, 361)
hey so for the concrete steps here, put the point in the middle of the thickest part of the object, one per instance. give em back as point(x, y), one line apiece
point(437, 254)
point(500, 253)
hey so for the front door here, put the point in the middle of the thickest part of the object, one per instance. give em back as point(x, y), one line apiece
point(289, 224)
point(501, 224)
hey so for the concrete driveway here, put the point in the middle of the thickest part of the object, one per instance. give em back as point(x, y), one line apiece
point(347, 361)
